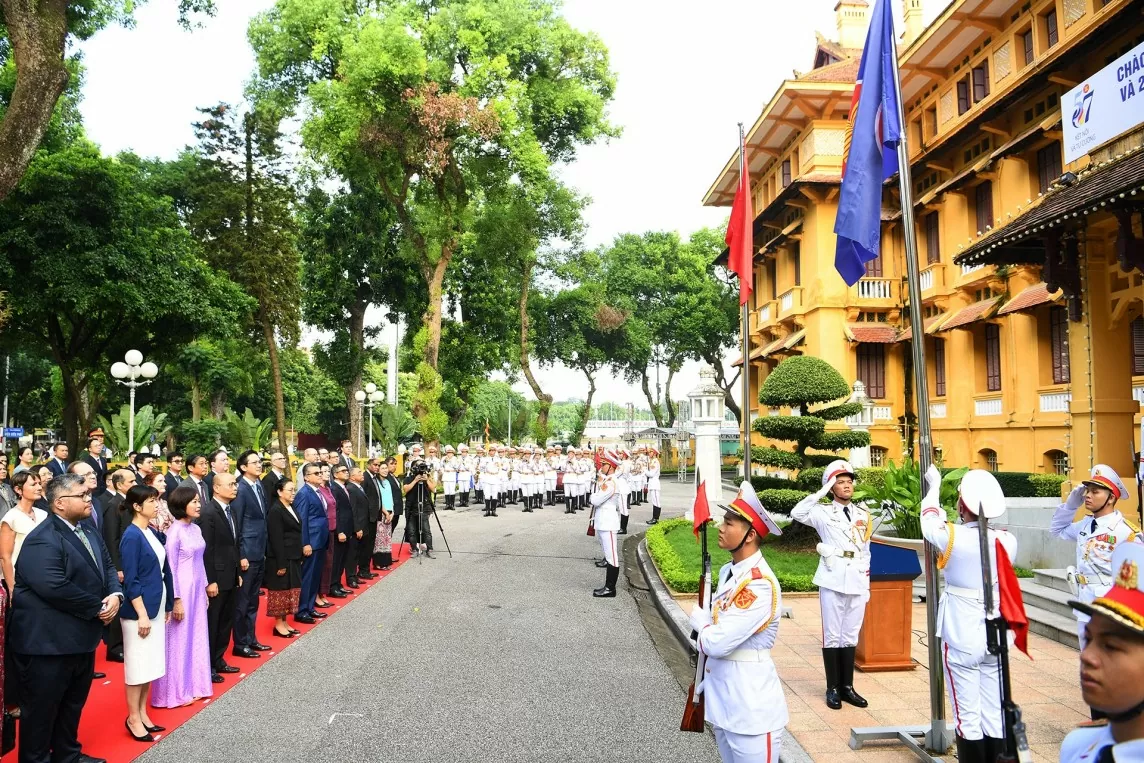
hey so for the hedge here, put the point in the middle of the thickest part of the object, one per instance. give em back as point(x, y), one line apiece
point(780, 500)
point(803, 379)
point(762, 483)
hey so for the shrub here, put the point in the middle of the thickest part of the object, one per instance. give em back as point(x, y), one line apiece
point(781, 501)
point(803, 379)
point(873, 477)
point(1047, 485)
point(762, 483)
point(811, 478)
point(200, 436)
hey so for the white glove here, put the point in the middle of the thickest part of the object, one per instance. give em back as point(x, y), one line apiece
point(1076, 498)
point(825, 489)
point(700, 618)
point(933, 487)
point(825, 550)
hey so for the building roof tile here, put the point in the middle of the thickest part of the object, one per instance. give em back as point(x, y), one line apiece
point(872, 333)
point(1037, 294)
point(972, 313)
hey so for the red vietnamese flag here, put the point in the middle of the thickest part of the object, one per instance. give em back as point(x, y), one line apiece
point(702, 510)
point(740, 237)
point(1012, 605)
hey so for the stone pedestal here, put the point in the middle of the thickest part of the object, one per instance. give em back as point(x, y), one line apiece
point(707, 416)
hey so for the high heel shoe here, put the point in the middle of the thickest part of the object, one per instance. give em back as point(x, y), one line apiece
point(154, 729)
point(282, 635)
point(138, 738)
point(294, 632)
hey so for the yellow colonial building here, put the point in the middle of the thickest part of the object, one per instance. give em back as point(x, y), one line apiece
point(1034, 336)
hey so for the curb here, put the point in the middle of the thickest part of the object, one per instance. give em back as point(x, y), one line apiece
point(792, 751)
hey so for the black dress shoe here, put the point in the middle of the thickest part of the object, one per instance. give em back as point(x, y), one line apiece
point(115, 656)
point(320, 615)
point(353, 584)
point(227, 669)
point(367, 575)
point(853, 697)
point(304, 619)
point(216, 678)
point(604, 592)
point(833, 701)
point(386, 568)
point(259, 647)
point(327, 605)
point(294, 631)
point(97, 675)
point(245, 651)
point(89, 759)
point(337, 594)
point(429, 554)
point(601, 563)
point(287, 634)
point(261, 592)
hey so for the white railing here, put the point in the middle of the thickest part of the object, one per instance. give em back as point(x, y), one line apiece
point(786, 301)
point(967, 269)
point(1055, 402)
point(926, 278)
point(988, 407)
point(874, 288)
point(883, 413)
point(1138, 393)
point(765, 313)
point(937, 410)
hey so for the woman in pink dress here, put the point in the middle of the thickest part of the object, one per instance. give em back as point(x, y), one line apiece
point(188, 675)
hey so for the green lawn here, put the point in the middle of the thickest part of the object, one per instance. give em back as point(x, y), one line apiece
point(677, 554)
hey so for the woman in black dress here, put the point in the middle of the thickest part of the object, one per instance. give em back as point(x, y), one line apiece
point(283, 578)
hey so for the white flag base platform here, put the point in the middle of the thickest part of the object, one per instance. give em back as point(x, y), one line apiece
point(916, 738)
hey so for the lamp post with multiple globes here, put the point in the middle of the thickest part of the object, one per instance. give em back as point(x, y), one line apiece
point(133, 373)
point(367, 399)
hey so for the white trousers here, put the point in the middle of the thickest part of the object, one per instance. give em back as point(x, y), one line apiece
point(550, 483)
point(623, 504)
point(841, 617)
point(974, 692)
point(653, 496)
point(748, 748)
point(608, 544)
point(450, 481)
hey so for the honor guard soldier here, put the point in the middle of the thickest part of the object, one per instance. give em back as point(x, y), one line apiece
point(640, 471)
point(490, 480)
point(538, 466)
point(464, 475)
point(1096, 535)
point(606, 521)
point(971, 673)
point(449, 469)
point(744, 699)
point(550, 467)
point(624, 486)
point(1112, 666)
point(478, 488)
point(524, 479)
point(843, 576)
point(571, 496)
point(653, 487)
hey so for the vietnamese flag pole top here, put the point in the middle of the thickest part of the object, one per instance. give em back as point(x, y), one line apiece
point(870, 153)
point(740, 237)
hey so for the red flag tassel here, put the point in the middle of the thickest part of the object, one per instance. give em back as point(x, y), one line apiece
point(702, 511)
point(1012, 605)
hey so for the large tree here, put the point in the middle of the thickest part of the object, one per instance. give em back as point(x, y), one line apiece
point(98, 261)
point(445, 104)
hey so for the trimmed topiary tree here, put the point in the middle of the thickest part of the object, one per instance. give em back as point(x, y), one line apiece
point(800, 382)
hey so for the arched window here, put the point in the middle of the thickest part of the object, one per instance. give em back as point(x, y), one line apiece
point(877, 456)
point(1057, 462)
point(988, 459)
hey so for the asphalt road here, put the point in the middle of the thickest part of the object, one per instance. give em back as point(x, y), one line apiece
point(498, 654)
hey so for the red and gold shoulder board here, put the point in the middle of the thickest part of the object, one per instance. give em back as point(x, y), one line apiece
point(756, 573)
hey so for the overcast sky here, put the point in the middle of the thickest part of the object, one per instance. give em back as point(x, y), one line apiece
point(687, 72)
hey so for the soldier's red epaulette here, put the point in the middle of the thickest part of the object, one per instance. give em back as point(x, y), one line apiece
point(756, 573)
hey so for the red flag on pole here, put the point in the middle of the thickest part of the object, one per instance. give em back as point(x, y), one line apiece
point(702, 511)
point(1012, 605)
point(740, 237)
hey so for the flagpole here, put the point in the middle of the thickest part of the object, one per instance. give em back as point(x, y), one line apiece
point(744, 333)
point(938, 737)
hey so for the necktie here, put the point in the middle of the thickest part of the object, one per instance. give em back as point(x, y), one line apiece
point(1105, 753)
point(229, 521)
point(846, 511)
point(86, 543)
point(203, 493)
point(258, 495)
point(1092, 529)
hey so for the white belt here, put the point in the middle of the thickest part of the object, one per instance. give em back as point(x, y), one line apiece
point(749, 655)
point(973, 594)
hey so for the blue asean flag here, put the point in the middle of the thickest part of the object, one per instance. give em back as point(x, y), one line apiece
point(870, 156)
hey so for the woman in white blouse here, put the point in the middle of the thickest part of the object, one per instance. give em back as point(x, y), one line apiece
point(20, 520)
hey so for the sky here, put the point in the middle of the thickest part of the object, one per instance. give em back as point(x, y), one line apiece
point(687, 73)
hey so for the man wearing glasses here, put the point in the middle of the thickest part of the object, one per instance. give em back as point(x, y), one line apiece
point(66, 591)
point(175, 475)
point(273, 478)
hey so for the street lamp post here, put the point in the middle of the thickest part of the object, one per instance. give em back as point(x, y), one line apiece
point(368, 398)
point(128, 372)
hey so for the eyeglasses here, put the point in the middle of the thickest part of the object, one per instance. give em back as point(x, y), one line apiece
point(85, 496)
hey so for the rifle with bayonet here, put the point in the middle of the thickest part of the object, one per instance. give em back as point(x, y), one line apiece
point(693, 711)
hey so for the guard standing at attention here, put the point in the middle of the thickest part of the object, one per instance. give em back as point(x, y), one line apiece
point(653, 486)
point(843, 576)
point(744, 699)
point(973, 676)
point(464, 475)
point(606, 519)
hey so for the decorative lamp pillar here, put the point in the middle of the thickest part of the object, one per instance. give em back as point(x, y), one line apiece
point(683, 452)
point(128, 374)
point(861, 422)
point(707, 417)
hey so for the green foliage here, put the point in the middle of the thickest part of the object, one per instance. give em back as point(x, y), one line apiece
point(762, 483)
point(872, 477)
point(776, 457)
point(200, 437)
point(432, 421)
point(842, 440)
point(811, 478)
point(1046, 485)
point(247, 431)
point(898, 498)
point(1028, 485)
point(790, 427)
point(392, 426)
point(149, 429)
point(837, 412)
point(801, 380)
point(781, 501)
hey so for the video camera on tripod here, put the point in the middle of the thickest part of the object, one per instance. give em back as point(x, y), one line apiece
point(419, 468)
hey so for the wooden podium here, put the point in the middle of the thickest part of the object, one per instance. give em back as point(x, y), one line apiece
point(887, 634)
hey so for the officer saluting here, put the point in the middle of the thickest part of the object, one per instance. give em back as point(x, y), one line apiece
point(1112, 666)
point(744, 699)
point(1096, 536)
point(606, 519)
point(972, 674)
point(843, 576)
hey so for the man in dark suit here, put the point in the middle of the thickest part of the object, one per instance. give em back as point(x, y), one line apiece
point(345, 543)
point(220, 464)
point(311, 512)
point(58, 463)
point(174, 476)
point(250, 508)
point(346, 455)
point(273, 478)
point(66, 590)
point(359, 502)
point(221, 532)
point(371, 484)
point(113, 521)
point(197, 468)
point(94, 458)
point(144, 464)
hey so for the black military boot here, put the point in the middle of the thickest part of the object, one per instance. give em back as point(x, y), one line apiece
point(623, 524)
point(609, 589)
point(830, 662)
point(654, 515)
point(971, 750)
point(846, 677)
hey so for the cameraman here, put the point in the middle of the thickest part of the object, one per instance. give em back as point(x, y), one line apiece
point(418, 489)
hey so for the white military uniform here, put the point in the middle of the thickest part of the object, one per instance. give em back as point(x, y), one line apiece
point(449, 469)
point(465, 475)
point(491, 478)
point(606, 517)
point(1084, 746)
point(653, 486)
point(624, 484)
point(972, 674)
point(744, 699)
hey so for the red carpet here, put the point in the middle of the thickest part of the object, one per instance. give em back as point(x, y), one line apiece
point(101, 729)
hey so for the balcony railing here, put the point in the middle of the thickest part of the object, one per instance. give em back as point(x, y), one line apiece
point(1138, 393)
point(786, 301)
point(967, 269)
point(883, 413)
point(765, 313)
point(989, 406)
point(876, 288)
point(937, 410)
point(1055, 402)
point(926, 279)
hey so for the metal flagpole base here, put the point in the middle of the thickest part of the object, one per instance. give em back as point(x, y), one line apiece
point(916, 738)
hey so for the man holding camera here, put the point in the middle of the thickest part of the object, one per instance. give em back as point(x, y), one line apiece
point(418, 489)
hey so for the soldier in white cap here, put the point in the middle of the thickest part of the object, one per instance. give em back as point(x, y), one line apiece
point(653, 486)
point(744, 699)
point(491, 480)
point(1112, 666)
point(972, 674)
point(606, 520)
point(1096, 534)
point(464, 474)
point(450, 466)
point(624, 486)
point(843, 576)
point(475, 466)
point(550, 466)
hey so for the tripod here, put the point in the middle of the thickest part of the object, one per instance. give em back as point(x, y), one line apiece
point(425, 505)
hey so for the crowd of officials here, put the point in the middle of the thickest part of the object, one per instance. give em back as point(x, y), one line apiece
point(169, 569)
